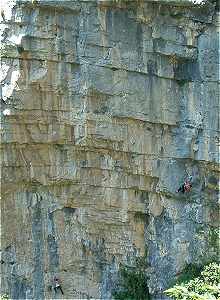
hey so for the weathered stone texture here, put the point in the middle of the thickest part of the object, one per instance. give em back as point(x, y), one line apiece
point(106, 106)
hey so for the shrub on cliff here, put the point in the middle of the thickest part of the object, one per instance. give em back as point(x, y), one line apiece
point(133, 282)
point(4, 297)
point(204, 287)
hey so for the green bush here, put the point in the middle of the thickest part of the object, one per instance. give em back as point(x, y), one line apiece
point(4, 297)
point(204, 287)
point(133, 282)
point(189, 272)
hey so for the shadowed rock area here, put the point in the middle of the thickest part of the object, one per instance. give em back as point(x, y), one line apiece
point(106, 108)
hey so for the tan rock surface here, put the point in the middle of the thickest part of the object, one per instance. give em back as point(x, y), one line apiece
point(106, 107)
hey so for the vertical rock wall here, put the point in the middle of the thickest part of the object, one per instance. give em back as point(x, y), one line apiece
point(106, 107)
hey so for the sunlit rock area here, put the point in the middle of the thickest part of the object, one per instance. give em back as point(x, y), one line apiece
point(107, 107)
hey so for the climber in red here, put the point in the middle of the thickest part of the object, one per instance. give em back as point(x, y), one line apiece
point(186, 186)
point(57, 285)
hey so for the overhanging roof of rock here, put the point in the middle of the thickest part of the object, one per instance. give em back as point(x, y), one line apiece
point(169, 2)
point(74, 5)
point(70, 3)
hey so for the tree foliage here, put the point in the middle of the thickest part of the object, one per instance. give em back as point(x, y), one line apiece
point(133, 282)
point(204, 287)
point(4, 297)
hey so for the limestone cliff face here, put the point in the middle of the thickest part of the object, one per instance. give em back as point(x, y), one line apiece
point(106, 107)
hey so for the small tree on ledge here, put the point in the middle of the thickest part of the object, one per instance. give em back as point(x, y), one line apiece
point(133, 282)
